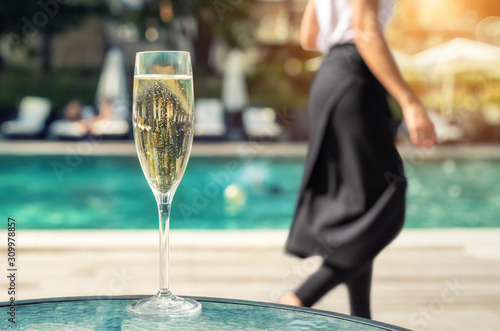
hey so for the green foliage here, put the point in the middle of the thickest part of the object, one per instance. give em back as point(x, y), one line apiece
point(60, 86)
point(270, 85)
point(21, 21)
point(60, 15)
point(227, 19)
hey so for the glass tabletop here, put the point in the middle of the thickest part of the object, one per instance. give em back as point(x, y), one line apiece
point(108, 313)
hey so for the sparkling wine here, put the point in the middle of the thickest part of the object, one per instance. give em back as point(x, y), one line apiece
point(163, 127)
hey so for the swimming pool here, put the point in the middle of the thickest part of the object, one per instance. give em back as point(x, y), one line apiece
point(110, 192)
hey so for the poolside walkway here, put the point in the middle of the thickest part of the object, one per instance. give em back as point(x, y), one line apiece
point(411, 154)
point(426, 280)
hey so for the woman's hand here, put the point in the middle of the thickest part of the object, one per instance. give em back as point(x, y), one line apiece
point(422, 133)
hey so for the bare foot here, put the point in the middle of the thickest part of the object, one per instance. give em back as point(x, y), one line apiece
point(291, 300)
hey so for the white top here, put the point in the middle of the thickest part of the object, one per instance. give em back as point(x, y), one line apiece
point(334, 20)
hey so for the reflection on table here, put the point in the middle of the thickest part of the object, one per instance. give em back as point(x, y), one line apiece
point(109, 313)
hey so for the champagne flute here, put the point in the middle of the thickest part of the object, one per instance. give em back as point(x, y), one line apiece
point(163, 131)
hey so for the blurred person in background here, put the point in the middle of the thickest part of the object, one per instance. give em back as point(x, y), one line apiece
point(83, 115)
point(106, 110)
point(75, 124)
point(351, 202)
point(73, 111)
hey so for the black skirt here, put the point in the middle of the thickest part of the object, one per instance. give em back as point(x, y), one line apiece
point(351, 202)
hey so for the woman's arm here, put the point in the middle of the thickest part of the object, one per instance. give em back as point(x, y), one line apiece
point(370, 42)
point(309, 27)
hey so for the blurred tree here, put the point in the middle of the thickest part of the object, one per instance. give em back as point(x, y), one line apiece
point(227, 19)
point(202, 21)
point(21, 21)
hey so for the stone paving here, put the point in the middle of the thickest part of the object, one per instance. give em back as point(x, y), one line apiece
point(426, 280)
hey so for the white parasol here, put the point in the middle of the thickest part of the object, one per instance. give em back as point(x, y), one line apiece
point(113, 83)
point(457, 56)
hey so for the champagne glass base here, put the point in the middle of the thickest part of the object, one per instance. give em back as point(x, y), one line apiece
point(165, 305)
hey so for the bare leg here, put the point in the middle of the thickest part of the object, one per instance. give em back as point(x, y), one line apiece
point(291, 300)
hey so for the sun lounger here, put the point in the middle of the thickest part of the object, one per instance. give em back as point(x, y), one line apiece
point(111, 122)
point(260, 123)
point(209, 119)
point(30, 121)
point(445, 132)
point(110, 128)
point(74, 130)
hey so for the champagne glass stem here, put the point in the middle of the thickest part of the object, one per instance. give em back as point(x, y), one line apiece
point(164, 202)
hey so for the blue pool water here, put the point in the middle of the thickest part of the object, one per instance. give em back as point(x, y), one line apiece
point(54, 192)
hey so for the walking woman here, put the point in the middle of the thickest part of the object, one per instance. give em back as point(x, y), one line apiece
point(352, 198)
